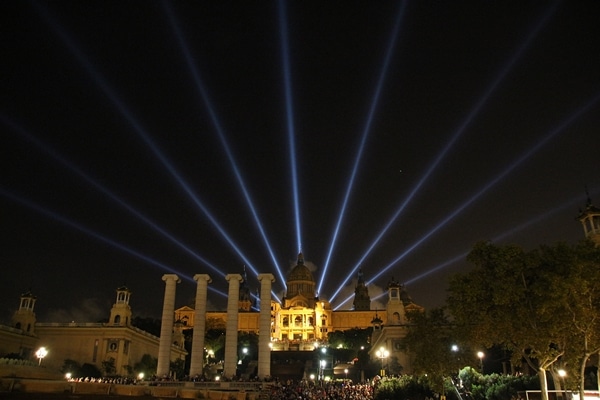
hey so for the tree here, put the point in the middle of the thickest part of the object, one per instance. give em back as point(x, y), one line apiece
point(404, 387)
point(517, 299)
point(108, 366)
point(147, 365)
point(71, 367)
point(430, 340)
point(90, 370)
point(578, 289)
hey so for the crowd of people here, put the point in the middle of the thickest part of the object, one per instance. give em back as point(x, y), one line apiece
point(309, 390)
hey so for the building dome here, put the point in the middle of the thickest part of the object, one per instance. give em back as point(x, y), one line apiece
point(300, 280)
point(300, 272)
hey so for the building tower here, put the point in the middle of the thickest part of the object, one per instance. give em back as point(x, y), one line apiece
point(245, 302)
point(590, 219)
point(24, 317)
point(362, 301)
point(120, 313)
point(395, 305)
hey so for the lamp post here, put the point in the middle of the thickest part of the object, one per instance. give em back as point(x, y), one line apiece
point(323, 362)
point(562, 373)
point(382, 353)
point(480, 355)
point(346, 372)
point(40, 354)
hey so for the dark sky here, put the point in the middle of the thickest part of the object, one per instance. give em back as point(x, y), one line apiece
point(454, 122)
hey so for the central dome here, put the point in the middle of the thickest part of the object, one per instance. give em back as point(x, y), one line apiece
point(300, 272)
point(300, 281)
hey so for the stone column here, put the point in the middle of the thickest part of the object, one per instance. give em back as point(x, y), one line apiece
point(264, 325)
point(197, 357)
point(166, 326)
point(231, 332)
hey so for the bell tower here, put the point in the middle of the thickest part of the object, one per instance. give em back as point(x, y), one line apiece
point(362, 301)
point(245, 301)
point(24, 317)
point(395, 305)
point(120, 313)
point(590, 219)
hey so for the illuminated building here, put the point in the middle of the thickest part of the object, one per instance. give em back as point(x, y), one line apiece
point(115, 343)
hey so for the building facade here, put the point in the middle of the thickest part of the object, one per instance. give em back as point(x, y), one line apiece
point(115, 343)
point(303, 320)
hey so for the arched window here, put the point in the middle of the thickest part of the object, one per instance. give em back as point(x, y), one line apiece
point(117, 319)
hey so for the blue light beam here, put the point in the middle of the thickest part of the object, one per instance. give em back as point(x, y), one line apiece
point(290, 117)
point(55, 216)
point(136, 125)
point(457, 134)
point(194, 70)
point(498, 238)
point(46, 148)
point(562, 126)
point(365, 134)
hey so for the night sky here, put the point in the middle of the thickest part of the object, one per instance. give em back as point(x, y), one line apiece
point(136, 135)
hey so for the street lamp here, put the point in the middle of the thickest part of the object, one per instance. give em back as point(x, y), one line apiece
point(562, 373)
point(346, 372)
point(41, 353)
point(480, 354)
point(382, 353)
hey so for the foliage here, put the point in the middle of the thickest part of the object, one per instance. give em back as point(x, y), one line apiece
point(72, 367)
point(540, 305)
point(430, 340)
point(215, 340)
point(495, 386)
point(108, 366)
point(147, 365)
point(90, 371)
point(404, 387)
point(350, 339)
point(394, 367)
point(502, 301)
point(579, 292)
point(178, 368)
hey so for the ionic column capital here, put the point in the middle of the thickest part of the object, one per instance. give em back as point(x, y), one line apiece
point(202, 277)
point(171, 277)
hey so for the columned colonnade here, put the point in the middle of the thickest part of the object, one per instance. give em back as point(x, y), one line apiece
point(197, 356)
